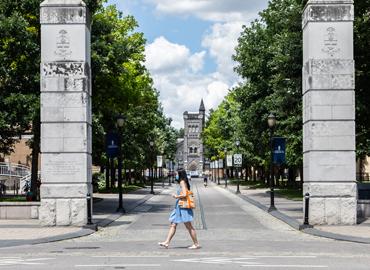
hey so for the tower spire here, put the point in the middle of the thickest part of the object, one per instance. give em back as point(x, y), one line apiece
point(201, 107)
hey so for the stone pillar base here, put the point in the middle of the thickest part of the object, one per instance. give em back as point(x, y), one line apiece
point(63, 212)
point(332, 203)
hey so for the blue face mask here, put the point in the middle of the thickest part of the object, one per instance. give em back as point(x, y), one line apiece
point(177, 177)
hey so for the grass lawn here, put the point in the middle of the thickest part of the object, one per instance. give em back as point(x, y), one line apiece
point(126, 189)
point(294, 194)
point(13, 199)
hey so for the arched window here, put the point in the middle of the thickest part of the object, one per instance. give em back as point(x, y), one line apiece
point(195, 150)
point(191, 150)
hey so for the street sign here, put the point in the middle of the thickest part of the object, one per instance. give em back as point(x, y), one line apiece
point(229, 160)
point(221, 163)
point(238, 160)
point(159, 161)
point(278, 144)
point(111, 144)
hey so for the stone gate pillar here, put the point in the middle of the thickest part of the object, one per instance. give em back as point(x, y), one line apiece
point(65, 112)
point(329, 111)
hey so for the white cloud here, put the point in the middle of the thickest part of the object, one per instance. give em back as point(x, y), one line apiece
point(221, 42)
point(175, 72)
point(164, 56)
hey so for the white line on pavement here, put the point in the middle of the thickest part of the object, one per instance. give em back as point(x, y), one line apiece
point(133, 256)
point(117, 265)
point(286, 266)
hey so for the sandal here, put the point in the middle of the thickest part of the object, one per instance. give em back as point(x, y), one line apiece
point(194, 247)
point(163, 244)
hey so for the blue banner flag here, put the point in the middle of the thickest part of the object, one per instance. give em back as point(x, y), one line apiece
point(278, 153)
point(111, 144)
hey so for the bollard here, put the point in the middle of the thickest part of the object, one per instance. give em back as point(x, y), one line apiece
point(89, 219)
point(306, 208)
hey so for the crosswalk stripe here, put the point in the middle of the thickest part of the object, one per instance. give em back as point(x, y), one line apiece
point(117, 265)
point(285, 265)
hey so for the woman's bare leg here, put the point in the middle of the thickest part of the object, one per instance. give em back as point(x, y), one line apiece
point(192, 233)
point(171, 233)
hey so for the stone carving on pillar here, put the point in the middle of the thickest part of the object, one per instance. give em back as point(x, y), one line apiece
point(65, 113)
point(329, 112)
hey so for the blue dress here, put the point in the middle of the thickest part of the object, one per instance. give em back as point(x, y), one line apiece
point(180, 215)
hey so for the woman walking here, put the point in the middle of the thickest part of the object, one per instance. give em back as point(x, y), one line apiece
point(181, 215)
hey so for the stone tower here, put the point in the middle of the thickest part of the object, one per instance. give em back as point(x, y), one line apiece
point(65, 113)
point(193, 145)
point(329, 111)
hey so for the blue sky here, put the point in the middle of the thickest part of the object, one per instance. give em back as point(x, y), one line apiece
point(189, 47)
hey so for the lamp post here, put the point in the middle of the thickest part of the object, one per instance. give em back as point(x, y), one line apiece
point(120, 122)
point(225, 151)
point(271, 121)
point(151, 171)
point(170, 171)
point(237, 144)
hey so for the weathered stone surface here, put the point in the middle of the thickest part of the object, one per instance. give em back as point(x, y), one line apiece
point(78, 212)
point(349, 211)
point(329, 105)
point(65, 42)
point(66, 168)
point(65, 107)
point(329, 111)
point(328, 41)
point(35, 212)
point(63, 207)
point(330, 189)
point(329, 166)
point(65, 112)
point(65, 137)
point(63, 15)
point(328, 13)
point(47, 212)
point(316, 214)
point(64, 69)
point(64, 190)
point(328, 74)
point(332, 211)
point(60, 84)
point(329, 135)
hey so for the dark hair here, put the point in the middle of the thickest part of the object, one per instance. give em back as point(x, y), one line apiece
point(183, 176)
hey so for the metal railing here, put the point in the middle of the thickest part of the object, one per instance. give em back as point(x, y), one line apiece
point(14, 170)
point(13, 177)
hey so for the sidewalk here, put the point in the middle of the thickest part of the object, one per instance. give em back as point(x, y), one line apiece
point(291, 212)
point(29, 232)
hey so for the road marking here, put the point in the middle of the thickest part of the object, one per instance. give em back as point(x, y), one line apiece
point(117, 265)
point(252, 261)
point(286, 265)
point(7, 261)
point(133, 256)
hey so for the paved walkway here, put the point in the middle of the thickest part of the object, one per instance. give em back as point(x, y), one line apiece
point(23, 232)
point(291, 212)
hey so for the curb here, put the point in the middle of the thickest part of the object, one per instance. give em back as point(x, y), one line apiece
point(300, 227)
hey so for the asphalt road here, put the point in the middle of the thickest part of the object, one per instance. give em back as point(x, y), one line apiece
point(233, 235)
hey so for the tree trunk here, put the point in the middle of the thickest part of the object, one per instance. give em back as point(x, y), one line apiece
point(112, 173)
point(107, 174)
point(35, 157)
point(301, 175)
point(291, 177)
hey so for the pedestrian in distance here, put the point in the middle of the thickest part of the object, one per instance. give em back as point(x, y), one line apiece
point(205, 180)
point(183, 212)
